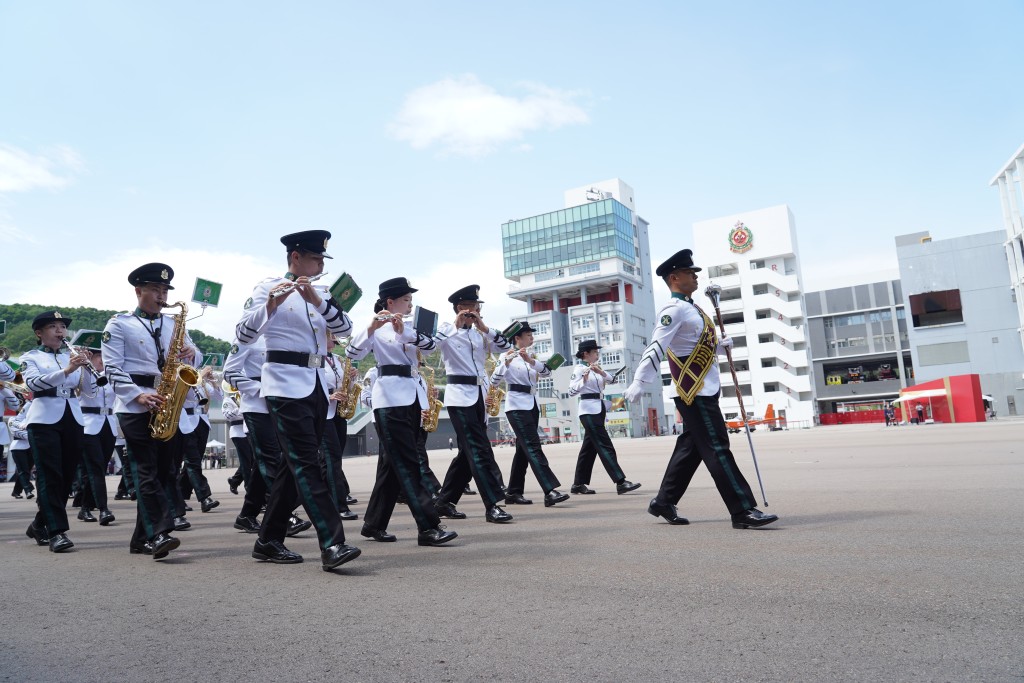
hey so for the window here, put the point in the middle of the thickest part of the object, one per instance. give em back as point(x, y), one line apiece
point(936, 308)
point(764, 338)
point(880, 316)
point(828, 323)
point(754, 265)
point(845, 320)
point(542, 347)
point(771, 386)
point(760, 289)
point(584, 322)
point(611, 359)
point(541, 328)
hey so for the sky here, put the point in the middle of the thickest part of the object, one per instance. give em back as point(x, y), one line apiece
point(197, 134)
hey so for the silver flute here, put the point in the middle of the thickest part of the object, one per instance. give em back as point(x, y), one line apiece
point(289, 290)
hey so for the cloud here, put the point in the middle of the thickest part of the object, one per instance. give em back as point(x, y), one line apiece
point(21, 171)
point(462, 116)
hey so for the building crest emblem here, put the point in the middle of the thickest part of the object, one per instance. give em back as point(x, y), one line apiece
point(741, 238)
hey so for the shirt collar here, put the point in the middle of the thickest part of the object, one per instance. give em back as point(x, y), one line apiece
point(291, 276)
point(47, 349)
point(148, 316)
point(678, 295)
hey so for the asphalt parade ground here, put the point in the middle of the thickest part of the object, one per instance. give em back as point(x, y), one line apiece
point(898, 557)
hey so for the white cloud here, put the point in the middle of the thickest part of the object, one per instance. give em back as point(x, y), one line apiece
point(460, 115)
point(21, 171)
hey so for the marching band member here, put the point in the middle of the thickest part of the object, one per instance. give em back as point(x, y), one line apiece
point(398, 399)
point(293, 317)
point(54, 425)
point(520, 372)
point(135, 346)
point(100, 428)
point(465, 347)
point(588, 380)
point(8, 401)
point(242, 371)
point(239, 435)
point(195, 423)
point(332, 448)
point(22, 454)
point(687, 336)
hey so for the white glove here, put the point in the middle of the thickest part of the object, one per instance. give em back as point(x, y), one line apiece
point(726, 343)
point(633, 392)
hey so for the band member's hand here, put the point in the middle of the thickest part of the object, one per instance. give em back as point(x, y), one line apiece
point(398, 324)
point(150, 401)
point(726, 343)
point(425, 415)
point(524, 354)
point(379, 320)
point(187, 354)
point(274, 301)
point(488, 402)
point(479, 322)
point(633, 392)
point(465, 319)
point(307, 291)
point(77, 361)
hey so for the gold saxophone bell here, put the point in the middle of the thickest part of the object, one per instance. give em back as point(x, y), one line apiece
point(618, 403)
point(495, 395)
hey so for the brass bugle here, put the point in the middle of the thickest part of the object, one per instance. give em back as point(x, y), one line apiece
point(101, 380)
point(16, 387)
point(289, 290)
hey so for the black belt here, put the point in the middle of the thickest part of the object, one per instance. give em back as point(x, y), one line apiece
point(235, 423)
point(396, 370)
point(521, 388)
point(590, 396)
point(52, 393)
point(465, 379)
point(98, 411)
point(303, 360)
point(145, 381)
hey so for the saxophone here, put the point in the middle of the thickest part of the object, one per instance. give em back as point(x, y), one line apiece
point(349, 392)
point(434, 412)
point(175, 382)
point(495, 395)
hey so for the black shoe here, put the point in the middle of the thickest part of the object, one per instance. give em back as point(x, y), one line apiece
point(436, 536)
point(497, 515)
point(274, 551)
point(86, 515)
point(517, 499)
point(180, 523)
point(752, 518)
point(132, 495)
point(554, 496)
point(667, 511)
point(625, 486)
point(232, 486)
point(208, 503)
point(140, 548)
point(400, 500)
point(162, 544)
point(38, 535)
point(297, 525)
point(120, 496)
point(581, 489)
point(468, 491)
point(188, 508)
point(16, 495)
point(247, 524)
point(448, 510)
point(349, 500)
point(60, 542)
point(377, 534)
point(337, 555)
point(30, 495)
point(106, 517)
point(347, 515)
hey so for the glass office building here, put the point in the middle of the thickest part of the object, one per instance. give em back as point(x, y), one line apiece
point(579, 234)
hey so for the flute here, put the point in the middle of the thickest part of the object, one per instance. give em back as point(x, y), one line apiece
point(100, 379)
point(289, 290)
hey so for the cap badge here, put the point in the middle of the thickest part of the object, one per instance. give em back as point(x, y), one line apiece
point(57, 315)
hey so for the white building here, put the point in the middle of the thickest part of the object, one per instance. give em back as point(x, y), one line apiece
point(754, 257)
point(1010, 180)
point(585, 273)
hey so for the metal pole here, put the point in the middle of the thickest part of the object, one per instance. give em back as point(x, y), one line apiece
point(713, 292)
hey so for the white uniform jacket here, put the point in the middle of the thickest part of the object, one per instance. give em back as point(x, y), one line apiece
point(593, 384)
point(8, 400)
point(465, 352)
point(334, 369)
point(366, 398)
point(295, 326)
point(98, 398)
point(129, 348)
point(44, 370)
point(518, 372)
point(19, 431)
point(243, 370)
point(6, 372)
point(233, 415)
point(680, 325)
point(389, 348)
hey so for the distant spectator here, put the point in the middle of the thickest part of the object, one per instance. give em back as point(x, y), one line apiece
point(920, 413)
